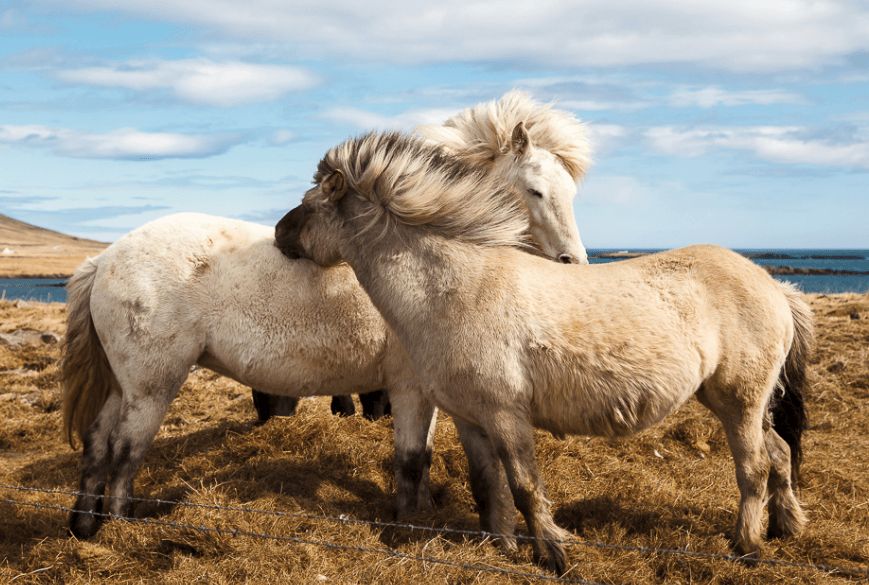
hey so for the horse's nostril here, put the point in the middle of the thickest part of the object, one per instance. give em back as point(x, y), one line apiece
point(565, 258)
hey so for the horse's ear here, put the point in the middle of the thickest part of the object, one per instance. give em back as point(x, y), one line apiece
point(334, 186)
point(519, 140)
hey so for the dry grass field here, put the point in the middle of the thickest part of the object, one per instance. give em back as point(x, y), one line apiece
point(672, 486)
point(34, 252)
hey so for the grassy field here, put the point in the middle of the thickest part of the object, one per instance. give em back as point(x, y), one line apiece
point(672, 486)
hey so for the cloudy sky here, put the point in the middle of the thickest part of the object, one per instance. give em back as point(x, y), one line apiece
point(737, 122)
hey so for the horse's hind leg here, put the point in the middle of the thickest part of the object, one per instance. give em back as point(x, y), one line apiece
point(513, 439)
point(488, 484)
point(139, 422)
point(86, 518)
point(786, 517)
point(744, 425)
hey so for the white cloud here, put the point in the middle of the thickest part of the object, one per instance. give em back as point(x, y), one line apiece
point(281, 137)
point(782, 144)
point(619, 190)
point(364, 119)
point(8, 19)
point(581, 105)
point(201, 81)
point(123, 143)
point(743, 35)
point(710, 97)
point(606, 137)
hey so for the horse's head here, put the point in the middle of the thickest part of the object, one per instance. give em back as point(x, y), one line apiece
point(547, 190)
point(312, 230)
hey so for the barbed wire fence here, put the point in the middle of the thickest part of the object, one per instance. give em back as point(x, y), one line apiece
point(235, 531)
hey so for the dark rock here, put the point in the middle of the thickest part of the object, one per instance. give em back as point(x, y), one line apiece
point(22, 337)
point(836, 367)
point(49, 337)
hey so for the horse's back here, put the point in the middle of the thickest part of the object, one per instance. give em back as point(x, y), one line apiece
point(151, 294)
point(193, 287)
point(290, 326)
point(167, 262)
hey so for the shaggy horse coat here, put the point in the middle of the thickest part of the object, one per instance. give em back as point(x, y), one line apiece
point(506, 341)
point(539, 151)
point(192, 288)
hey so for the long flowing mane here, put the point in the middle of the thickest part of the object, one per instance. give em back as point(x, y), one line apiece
point(481, 133)
point(412, 182)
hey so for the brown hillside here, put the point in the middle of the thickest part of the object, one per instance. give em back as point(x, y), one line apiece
point(30, 251)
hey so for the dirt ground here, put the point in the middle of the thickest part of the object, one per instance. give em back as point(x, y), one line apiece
point(671, 487)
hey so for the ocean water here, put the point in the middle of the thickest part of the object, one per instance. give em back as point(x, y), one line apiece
point(51, 289)
point(47, 290)
point(856, 260)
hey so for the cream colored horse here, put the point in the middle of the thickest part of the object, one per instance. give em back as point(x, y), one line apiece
point(540, 151)
point(193, 288)
point(507, 341)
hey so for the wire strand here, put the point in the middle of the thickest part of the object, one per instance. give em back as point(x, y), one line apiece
point(236, 532)
point(344, 519)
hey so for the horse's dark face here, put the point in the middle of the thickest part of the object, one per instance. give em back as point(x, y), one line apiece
point(288, 232)
point(312, 230)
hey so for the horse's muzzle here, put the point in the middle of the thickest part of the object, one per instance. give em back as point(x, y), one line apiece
point(288, 231)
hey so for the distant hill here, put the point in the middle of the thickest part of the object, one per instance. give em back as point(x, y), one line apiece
point(31, 251)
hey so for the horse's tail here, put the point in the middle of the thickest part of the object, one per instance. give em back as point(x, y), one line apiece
point(789, 410)
point(87, 376)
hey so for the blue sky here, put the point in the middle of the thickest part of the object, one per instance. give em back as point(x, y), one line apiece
point(736, 122)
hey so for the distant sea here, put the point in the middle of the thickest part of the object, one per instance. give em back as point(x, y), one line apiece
point(51, 289)
point(818, 259)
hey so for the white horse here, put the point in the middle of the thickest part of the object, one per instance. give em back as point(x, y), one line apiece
point(191, 289)
point(506, 341)
point(540, 151)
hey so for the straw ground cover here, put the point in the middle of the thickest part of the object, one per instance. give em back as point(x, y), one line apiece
point(672, 486)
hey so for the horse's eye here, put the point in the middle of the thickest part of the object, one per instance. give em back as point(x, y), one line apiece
point(535, 193)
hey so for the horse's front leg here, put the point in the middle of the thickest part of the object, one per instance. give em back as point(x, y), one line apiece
point(269, 405)
point(414, 419)
point(488, 484)
point(513, 439)
point(375, 404)
point(343, 405)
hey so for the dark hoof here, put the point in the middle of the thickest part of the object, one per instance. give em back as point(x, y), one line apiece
point(343, 406)
point(555, 558)
point(749, 557)
point(507, 543)
point(84, 525)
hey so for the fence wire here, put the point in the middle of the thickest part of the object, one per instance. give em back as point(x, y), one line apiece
point(236, 532)
point(348, 520)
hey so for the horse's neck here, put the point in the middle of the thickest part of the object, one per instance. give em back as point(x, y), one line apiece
point(414, 278)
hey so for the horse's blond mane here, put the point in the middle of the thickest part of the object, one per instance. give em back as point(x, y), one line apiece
point(416, 183)
point(482, 133)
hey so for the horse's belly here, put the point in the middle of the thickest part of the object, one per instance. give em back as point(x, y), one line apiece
point(302, 369)
point(609, 412)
